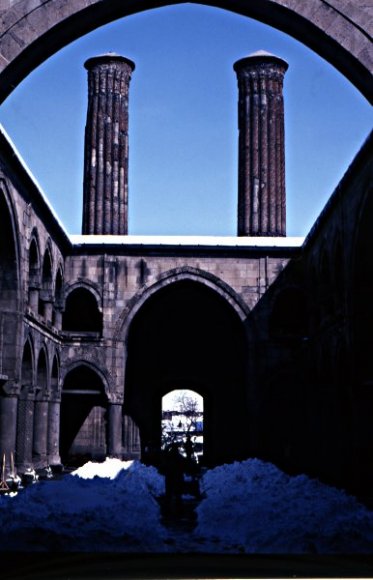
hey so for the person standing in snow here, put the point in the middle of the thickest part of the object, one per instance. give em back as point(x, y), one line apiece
point(173, 469)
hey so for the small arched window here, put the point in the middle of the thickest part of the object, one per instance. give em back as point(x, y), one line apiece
point(42, 372)
point(27, 366)
point(55, 375)
point(81, 312)
point(46, 283)
point(58, 294)
point(34, 265)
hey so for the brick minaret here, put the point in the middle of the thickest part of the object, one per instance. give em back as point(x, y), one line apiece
point(261, 179)
point(105, 189)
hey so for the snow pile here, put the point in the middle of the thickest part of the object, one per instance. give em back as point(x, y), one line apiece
point(248, 507)
point(253, 507)
point(100, 507)
point(111, 467)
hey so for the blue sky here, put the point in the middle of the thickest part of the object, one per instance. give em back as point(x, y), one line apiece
point(183, 121)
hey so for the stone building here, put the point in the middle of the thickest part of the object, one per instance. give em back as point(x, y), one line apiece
point(273, 332)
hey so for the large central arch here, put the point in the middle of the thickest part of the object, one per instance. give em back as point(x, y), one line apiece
point(188, 336)
point(338, 31)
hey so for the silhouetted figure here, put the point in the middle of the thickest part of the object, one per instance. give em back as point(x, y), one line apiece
point(191, 468)
point(173, 469)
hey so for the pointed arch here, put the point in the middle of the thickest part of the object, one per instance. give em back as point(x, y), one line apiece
point(34, 262)
point(88, 366)
point(186, 334)
point(83, 433)
point(46, 292)
point(59, 287)
point(28, 365)
point(55, 374)
point(82, 313)
point(42, 372)
point(10, 276)
point(177, 275)
point(47, 270)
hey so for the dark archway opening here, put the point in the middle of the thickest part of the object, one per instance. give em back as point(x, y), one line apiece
point(46, 284)
point(361, 396)
point(8, 290)
point(186, 336)
point(83, 417)
point(25, 410)
point(55, 376)
point(82, 313)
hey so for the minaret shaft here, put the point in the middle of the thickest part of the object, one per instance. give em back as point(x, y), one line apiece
point(105, 190)
point(261, 164)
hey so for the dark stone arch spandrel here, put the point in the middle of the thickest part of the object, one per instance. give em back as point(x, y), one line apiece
point(338, 31)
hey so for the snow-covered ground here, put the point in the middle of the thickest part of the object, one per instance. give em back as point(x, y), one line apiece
point(248, 507)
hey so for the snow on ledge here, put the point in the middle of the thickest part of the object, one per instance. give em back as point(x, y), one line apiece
point(32, 177)
point(219, 241)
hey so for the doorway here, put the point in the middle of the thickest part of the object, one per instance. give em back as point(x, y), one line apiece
point(182, 423)
point(187, 334)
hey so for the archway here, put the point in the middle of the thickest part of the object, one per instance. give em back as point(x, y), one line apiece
point(9, 297)
point(46, 297)
point(361, 444)
point(83, 416)
point(182, 423)
point(30, 34)
point(25, 418)
point(187, 336)
point(81, 313)
point(40, 436)
point(34, 280)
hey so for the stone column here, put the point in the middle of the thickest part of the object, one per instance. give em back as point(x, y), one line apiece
point(25, 431)
point(33, 296)
point(115, 430)
point(40, 433)
point(58, 319)
point(8, 430)
point(54, 458)
point(48, 309)
point(47, 299)
point(131, 438)
point(261, 156)
point(105, 190)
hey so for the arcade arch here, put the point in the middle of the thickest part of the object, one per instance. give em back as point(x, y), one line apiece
point(34, 273)
point(186, 335)
point(25, 412)
point(40, 436)
point(9, 287)
point(83, 415)
point(82, 313)
point(46, 293)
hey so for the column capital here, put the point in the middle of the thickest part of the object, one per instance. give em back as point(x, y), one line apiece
point(8, 387)
point(115, 398)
